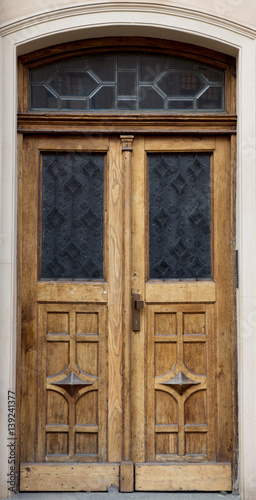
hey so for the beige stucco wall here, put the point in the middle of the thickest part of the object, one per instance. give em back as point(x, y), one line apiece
point(240, 11)
point(230, 28)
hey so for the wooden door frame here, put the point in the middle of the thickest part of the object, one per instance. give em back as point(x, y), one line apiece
point(136, 123)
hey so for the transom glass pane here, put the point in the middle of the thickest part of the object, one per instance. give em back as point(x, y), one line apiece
point(72, 216)
point(127, 82)
point(179, 216)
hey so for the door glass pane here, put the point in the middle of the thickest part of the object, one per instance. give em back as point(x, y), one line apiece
point(179, 216)
point(127, 82)
point(72, 215)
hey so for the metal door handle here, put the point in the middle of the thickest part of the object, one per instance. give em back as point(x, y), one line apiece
point(137, 305)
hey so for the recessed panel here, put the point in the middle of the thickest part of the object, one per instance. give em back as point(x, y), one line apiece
point(196, 443)
point(86, 323)
point(57, 357)
point(56, 443)
point(167, 443)
point(194, 323)
point(196, 409)
point(165, 323)
point(165, 357)
point(165, 408)
point(57, 408)
point(87, 409)
point(86, 444)
point(195, 357)
point(57, 322)
point(87, 357)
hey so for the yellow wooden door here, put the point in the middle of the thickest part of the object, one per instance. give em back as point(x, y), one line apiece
point(112, 392)
point(182, 356)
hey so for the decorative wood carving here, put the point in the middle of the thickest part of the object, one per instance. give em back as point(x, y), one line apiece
point(71, 383)
point(180, 382)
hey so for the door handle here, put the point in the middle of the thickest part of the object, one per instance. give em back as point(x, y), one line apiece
point(137, 305)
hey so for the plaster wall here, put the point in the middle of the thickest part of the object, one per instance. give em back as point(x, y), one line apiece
point(26, 28)
point(241, 11)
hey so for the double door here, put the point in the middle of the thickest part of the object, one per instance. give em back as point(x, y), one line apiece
point(126, 298)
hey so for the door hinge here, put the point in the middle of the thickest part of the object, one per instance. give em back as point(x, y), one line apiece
point(237, 270)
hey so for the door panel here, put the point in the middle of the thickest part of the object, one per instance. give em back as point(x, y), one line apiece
point(71, 300)
point(72, 383)
point(104, 218)
point(186, 329)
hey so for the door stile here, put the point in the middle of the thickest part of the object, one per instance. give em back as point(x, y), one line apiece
point(139, 265)
point(28, 282)
point(224, 304)
point(126, 471)
point(115, 301)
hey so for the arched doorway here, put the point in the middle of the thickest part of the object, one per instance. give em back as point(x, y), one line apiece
point(127, 343)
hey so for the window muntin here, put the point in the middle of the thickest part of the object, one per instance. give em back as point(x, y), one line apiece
point(127, 82)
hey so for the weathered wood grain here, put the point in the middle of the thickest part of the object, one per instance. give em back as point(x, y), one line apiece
point(68, 477)
point(183, 477)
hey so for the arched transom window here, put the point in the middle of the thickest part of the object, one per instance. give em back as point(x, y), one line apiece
point(121, 82)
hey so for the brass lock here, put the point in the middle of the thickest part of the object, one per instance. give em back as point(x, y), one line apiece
point(137, 305)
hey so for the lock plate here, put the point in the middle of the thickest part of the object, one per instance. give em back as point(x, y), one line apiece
point(137, 306)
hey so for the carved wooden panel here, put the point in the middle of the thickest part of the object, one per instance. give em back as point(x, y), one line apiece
point(180, 382)
point(72, 382)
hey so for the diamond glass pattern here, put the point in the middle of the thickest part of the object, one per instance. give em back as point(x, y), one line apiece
point(179, 216)
point(72, 216)
point(127, 82)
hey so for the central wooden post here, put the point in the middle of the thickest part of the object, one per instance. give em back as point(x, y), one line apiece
point(127, 469)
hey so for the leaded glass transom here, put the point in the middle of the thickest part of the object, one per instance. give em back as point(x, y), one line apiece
point(127, 82)
point(179, 216)
point(72, 216)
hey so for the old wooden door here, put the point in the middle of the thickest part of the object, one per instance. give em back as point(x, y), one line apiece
point(126, 303)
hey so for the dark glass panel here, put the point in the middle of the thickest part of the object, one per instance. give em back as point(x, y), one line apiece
point(180, 83)
point(150, 67)
point(42, 98)
point(211, 99)
point(212, 75)
point(127, 104)
point(76, 104)
point(79, 63)
point(127, 61)
point(179, 216)
point(72, 216)
point(40, 75)
point(176, 63)
point(73, 83)
point(104, 67)
point(103, 99)
point(149, 98)
point(127, 83)
point(180, 104)
point(155, 81)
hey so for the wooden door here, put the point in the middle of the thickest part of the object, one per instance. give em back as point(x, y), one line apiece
point(106, 401)
point(182, 356)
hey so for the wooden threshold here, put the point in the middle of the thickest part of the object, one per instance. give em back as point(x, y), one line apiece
point(68, 477)
point(183, 477)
